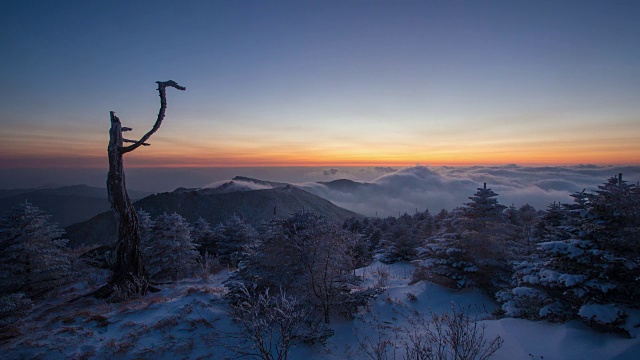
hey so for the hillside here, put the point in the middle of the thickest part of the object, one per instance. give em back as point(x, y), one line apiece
point(255, 206)
point(190, 319)
point(66, 205)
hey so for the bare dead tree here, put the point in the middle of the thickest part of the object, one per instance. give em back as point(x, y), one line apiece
point(129, 271)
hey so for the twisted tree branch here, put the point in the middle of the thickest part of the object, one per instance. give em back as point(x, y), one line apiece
point(162, 85)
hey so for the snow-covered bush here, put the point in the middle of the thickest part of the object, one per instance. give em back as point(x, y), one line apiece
point(452, 335)
point(603, 315)
point(169, 252)
point(269, 325)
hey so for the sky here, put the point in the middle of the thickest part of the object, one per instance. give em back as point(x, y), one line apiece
point(321, 83)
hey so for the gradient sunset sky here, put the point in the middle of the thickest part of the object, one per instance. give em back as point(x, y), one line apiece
point(322, 83)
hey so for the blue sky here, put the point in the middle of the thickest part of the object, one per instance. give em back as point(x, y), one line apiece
point(323, 82)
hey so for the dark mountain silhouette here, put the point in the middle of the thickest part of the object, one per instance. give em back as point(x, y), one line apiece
point(255, 206)
point(66, 205)
point(346, 185)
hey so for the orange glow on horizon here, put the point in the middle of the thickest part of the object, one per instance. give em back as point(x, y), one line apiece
point(150, 160)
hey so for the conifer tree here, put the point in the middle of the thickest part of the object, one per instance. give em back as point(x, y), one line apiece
point(471, 245)
point(588, 262)
point(170, 252)
point(203, 236)
point(33, 257)
point(231, 238)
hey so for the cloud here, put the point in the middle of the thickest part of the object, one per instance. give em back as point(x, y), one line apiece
point(238, 185)
point(331, 171)
point(384, 169)
point(436, 188)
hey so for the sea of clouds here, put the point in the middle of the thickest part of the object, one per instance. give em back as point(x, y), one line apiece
point(392, 191)
point(434, 188)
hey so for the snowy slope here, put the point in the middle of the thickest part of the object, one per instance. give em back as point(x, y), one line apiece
point(189, 320)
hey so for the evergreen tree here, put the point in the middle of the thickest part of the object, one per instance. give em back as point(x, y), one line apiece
point(588, 262)
point(471, 246)
point(170, 252)
point(401, 241)
point(145, 225)
point(231, 238)
point(33, 258)
point(204, 237)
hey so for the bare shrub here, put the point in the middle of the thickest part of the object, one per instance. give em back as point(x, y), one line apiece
point(381, 275)
point(452, 335)
point(269, 324)
point(412, 297)
point(210, 266)
point(420, 273)
point(129, 289)
point(382, 344)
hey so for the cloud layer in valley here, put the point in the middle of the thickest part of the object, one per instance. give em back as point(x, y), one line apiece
point(435, 188)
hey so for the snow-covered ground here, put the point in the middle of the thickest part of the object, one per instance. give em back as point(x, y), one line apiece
point(188, 320)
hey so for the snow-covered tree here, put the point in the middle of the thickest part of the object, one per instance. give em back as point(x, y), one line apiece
point(170, 252)
point(33, 258)
point(231, 238)
point(471, 246)
point(588, 262)
point(145, 225)
point(402, 239)
point(203, 236)
point(309, 258)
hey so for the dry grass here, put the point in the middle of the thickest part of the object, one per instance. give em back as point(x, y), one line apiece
point(100, 320)
point(164, 324)
point(122, 347)
point(205, 290)
point(9, 332)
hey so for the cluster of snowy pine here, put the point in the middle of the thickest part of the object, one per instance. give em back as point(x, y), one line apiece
point(586, 263)
point(579, 260)
point(174, 249)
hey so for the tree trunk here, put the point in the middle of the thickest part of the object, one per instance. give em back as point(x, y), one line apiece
point(129, 265)
point(129, 274)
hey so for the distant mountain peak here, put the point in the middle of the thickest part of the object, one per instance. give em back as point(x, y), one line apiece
point(344, 185)
point(260, 182)
point(255, 206)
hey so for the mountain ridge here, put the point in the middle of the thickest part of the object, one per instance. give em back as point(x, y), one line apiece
point(255, 206)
